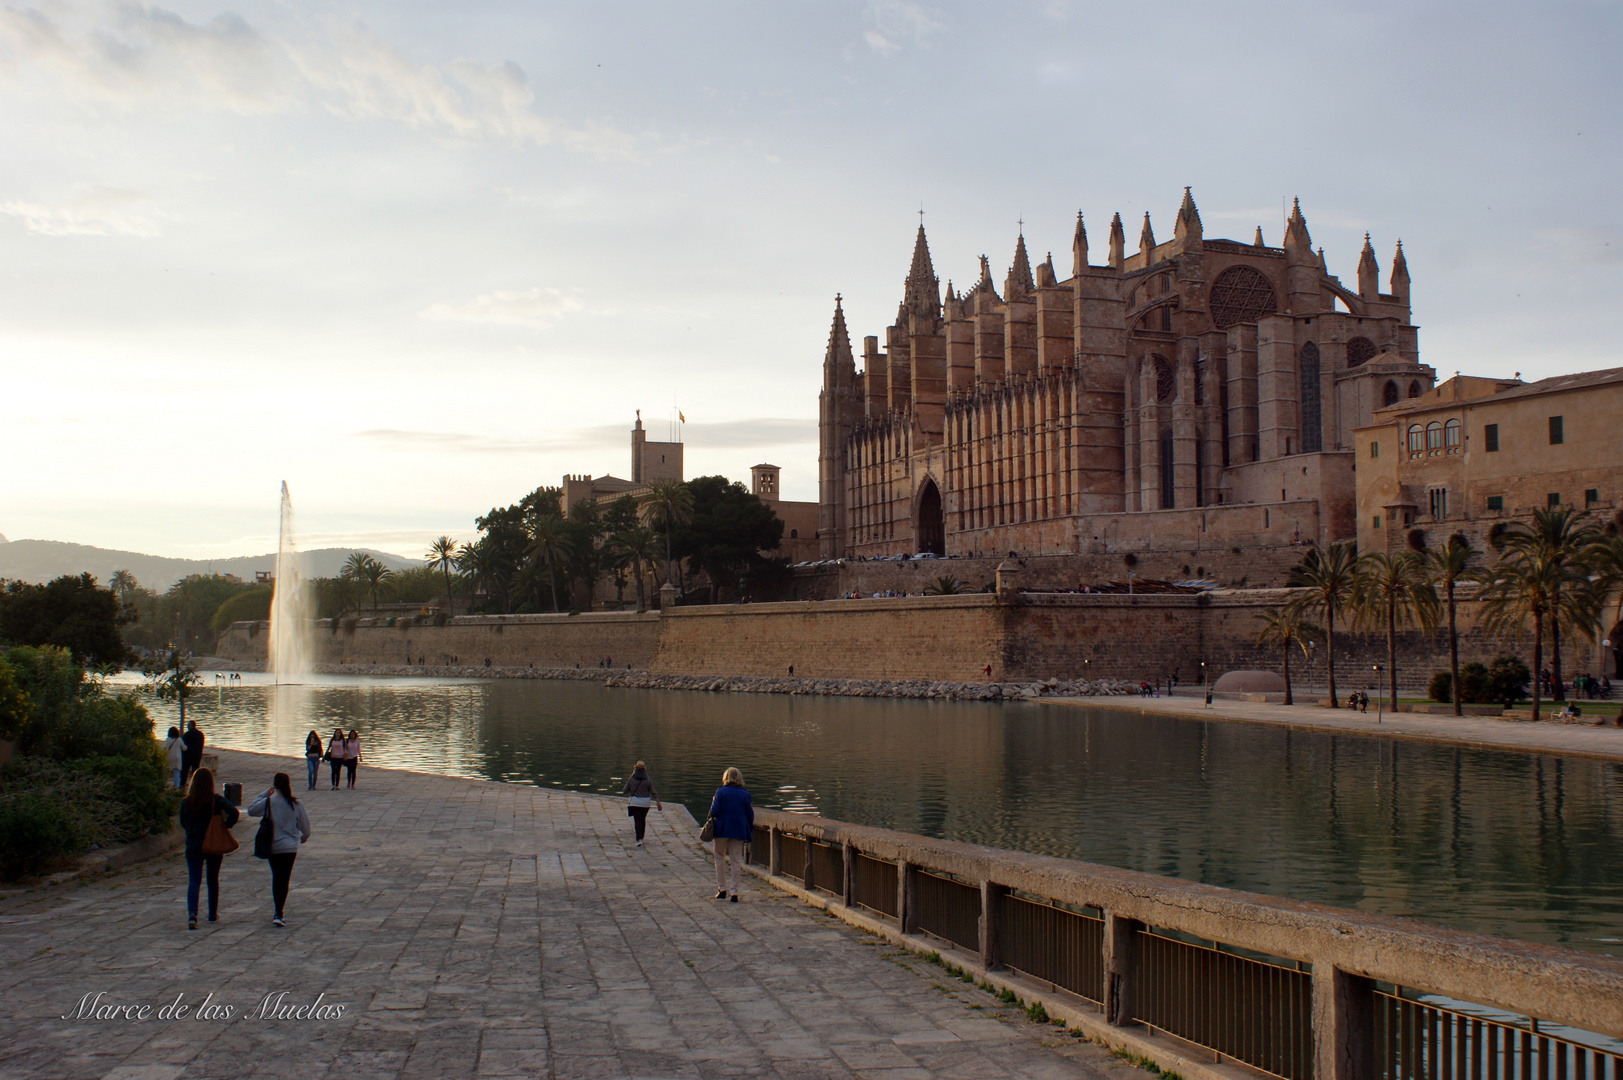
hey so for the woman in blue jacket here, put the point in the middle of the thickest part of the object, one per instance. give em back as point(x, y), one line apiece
point(735, 822)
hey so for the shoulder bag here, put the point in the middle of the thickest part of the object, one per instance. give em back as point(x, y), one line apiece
point(218, 839)
point(708, 833)
point(266, 836)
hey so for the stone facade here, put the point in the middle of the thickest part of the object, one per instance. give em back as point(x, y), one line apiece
point(1194, 374)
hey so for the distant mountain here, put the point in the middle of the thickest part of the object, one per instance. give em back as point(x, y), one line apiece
point(42, 560)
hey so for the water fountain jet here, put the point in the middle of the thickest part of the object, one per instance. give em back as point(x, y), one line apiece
point(288, 652)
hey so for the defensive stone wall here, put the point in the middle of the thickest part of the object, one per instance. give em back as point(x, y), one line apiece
point(1028, 636)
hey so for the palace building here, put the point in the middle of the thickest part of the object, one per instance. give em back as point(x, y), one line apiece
point(1197, 388)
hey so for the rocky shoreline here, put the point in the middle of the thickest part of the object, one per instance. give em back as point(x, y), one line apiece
point(919, 689)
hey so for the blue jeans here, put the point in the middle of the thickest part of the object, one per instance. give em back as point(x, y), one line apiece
point(194, 881)
point(314, 765)
point(174, 778)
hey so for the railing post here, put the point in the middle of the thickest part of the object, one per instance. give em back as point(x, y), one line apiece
point(991, 920)
point(1120, 960)
point(1343, 1025)
point(774, 851)
point(907, 897)
point(848, 856)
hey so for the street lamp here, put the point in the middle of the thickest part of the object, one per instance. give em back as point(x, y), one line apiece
point(1380, 684)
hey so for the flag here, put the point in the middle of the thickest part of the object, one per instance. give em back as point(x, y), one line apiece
point(680, 417)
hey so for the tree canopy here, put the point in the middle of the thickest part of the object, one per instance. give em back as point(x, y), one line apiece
point(70, 612)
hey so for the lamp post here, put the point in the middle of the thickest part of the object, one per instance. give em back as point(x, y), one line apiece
point(1206, 683)
point(1380, 683)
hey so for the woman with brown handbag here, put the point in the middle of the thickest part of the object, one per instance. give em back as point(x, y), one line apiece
point(207, 819)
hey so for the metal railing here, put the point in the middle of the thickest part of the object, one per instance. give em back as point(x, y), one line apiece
point(1290, 989)
point(1419, 1041)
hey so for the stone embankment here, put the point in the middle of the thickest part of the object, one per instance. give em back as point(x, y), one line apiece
point(877, 688)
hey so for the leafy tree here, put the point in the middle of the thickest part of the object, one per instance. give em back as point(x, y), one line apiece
point(587, 560)
point(503, 549)
point(442, 553)
point(1328, 578)
point(1446, 567)
point(72, 612)
point(415, 585)
point(620, 515)
point(1284, 627)
point(14, 704)
point(727, 531)
point(551, 545)
point(189, 607)
point(253, 605)
point(172, 679)
point(1392, 592)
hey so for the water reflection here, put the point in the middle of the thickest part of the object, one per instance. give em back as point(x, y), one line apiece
point(1523, 846)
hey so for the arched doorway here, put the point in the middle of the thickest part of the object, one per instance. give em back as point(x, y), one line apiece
point(929, 527)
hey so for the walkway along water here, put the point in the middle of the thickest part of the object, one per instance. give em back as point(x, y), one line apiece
point(1296, 990)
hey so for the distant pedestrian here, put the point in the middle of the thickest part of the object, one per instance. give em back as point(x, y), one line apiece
point(335, 755)
point(735, 825)
point(173, 752)
point(352, 754)
point(200, 807)
point(290, 827)
point(312, 756)
point(791, 671)
point(639, 792)
point(192, 756)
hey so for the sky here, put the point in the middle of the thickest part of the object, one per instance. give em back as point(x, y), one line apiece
point(419, 259)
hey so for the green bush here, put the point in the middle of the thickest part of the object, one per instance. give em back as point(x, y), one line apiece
point(141, 786)
point(1441, 687)
point(1508, 677)
point(98, 726)
point(14, 704)
point(251, 606)
point(37, 830)
point(1475, 687)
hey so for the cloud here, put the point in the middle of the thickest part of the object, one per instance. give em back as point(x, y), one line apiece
point(895, 22)
point(539, 308)
point(1591, 246)
point(721, 434)
point(140, 55)
point(89, 211)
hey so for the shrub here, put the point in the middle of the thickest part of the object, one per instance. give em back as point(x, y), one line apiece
point(92, 726)
point(1474, 685)
point(1508, 677)
point(14, 707)
point(37, 830)
point(1441, 687)
point(140, 786)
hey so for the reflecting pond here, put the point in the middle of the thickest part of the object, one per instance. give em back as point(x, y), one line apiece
point(1527, 846)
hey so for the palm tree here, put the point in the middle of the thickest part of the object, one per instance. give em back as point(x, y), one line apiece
point(1518, 588)
point(443, 554)
point(1447, 567)
point(639, 544)
point(124, 584)
point(946, 585)
point(1393, 592)
point(1560, 536)
point(1284, 626)
point(669, 503)
point(550, 546)
point(1328, 576)
point(361, 567)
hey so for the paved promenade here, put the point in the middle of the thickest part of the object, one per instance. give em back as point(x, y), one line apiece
point(1484, 731)
point(465, 928)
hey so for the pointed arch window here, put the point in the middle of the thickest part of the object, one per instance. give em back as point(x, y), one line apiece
point(1414, 389)
point(1389, 396)
point(1167, 499)
point(1312, 425)
point(1166, 383)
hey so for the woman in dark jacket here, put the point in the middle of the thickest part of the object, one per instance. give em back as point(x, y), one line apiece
point(639, 792)
point(312, 756)
point(735, 824)
point(196, 811)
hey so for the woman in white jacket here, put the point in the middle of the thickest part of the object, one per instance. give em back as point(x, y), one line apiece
point(171, 756)
point(290, 827)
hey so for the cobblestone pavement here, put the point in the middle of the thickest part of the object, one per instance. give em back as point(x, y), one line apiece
point(470, 928)
point(1487, 732)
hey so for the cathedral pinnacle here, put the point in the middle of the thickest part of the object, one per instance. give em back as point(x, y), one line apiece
point(1079, 246)
point(1296, 234)
point(1368, 272)
point(1118, 241)
point(1400, 274)
point(922, 289)
point(1019, 282)
point(839, 340)
point(1188, 226)
point(1146, 240)
point(1256, 241)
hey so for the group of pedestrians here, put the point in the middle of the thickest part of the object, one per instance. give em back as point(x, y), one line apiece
point(183, 754)
point(342, 753)
point(731, 823)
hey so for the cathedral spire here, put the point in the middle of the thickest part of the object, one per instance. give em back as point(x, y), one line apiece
point(1019, 283)
point(1400, 275)
point(922, 294)
point(1369, 274)
point(1256, 241)
point(1118, 241)
point(839, 340)
point(1188, 225)
point(1079, 247)
point(1296, 234)
point(1146, 240)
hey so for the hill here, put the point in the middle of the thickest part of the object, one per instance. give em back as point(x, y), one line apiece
point(42, 560)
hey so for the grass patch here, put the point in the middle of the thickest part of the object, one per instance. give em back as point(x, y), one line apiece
point(1145, 1063)
point(1037, 1013)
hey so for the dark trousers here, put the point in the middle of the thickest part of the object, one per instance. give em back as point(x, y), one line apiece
point(349, 766)
point(337, 768)
point(314, 766)
point(281, 865)
point(639, 818)
point(188, 765)
point(194, 882)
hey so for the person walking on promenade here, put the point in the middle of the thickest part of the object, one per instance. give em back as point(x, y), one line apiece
point(290, 827)
point(312, 756)
point(352, 754)
point(197, 810)
point(639, 792)
point(192, 756)
point(173, 752)
point(735, 824)
point(335, 755)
